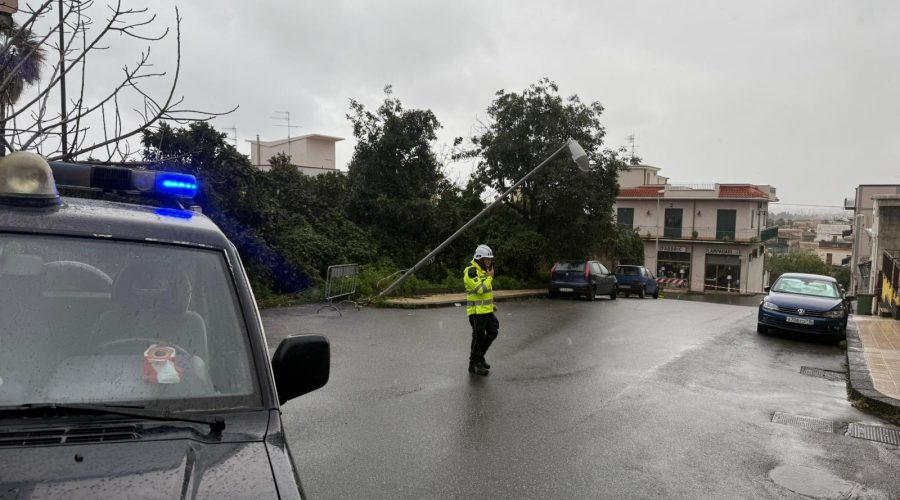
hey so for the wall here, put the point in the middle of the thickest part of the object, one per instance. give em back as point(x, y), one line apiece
point(746, 219)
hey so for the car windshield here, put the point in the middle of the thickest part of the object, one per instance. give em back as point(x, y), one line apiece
point(628, 270)
point(570, 266)
point(807, 286)
point(94, 321)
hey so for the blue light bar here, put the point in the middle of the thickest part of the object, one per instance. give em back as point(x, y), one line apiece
point(119, 179)
point(181, 185)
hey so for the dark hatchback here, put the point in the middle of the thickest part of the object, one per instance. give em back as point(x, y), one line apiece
point(582, 277)
point(807, 303)
point(132, 356)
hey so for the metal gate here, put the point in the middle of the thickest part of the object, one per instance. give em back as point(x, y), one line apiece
point(341, 282)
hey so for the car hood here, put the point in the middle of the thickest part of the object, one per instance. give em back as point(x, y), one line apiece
point(802, 301)
point(180, 468)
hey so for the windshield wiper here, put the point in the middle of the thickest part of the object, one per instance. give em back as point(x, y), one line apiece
point(216, 424)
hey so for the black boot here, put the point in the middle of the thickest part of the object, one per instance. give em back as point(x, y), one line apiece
point(477, 368)
point(484, 363)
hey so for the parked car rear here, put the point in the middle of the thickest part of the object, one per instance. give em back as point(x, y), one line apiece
point(637, 280)
point(582, 277)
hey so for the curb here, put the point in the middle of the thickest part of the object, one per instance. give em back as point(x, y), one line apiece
point(451, 303)
point(860, 386)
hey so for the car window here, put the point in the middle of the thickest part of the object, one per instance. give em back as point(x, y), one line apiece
point(628, 271)
point(806, 286)
point(570, 266)
point(94, 321)
point(597, 268)
point(603, 269)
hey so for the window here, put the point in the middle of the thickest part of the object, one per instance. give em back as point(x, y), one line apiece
point(595, 268)
point(603, 269)
point(725, 224)
point(673, 223)
point(625, 217)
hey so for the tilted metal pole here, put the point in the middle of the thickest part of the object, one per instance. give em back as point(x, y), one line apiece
point(473, 220)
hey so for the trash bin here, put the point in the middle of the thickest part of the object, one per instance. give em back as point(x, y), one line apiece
point(864, 303)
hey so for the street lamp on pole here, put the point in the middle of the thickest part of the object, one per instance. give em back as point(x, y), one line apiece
point(578, 156)
point(656, 256)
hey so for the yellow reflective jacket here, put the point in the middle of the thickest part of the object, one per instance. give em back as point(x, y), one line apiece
point(479, 290)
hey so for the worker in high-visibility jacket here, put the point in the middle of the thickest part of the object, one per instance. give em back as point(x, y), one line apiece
point(479, 280)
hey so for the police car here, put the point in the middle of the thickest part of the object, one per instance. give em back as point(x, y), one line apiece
point(132, 356)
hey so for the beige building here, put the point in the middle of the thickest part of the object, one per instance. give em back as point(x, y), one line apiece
point(313, 153)
point(863, 206)
point(703, 237)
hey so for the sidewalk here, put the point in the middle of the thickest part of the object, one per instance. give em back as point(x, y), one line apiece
point(873, 358)
point(451, 299)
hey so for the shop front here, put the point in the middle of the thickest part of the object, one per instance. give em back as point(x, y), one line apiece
point(674, 266)
point(723, 270)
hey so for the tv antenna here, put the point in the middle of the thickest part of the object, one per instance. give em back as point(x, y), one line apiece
point(233, 130)
point(286, 117)
point(630, 140)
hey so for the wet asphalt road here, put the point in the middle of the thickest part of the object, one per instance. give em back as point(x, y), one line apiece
point(606, 399)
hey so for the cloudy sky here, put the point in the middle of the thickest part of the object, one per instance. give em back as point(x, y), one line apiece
point(802, 95)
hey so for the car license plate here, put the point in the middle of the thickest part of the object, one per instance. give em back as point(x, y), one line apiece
point(800, 321)
point(566, 290)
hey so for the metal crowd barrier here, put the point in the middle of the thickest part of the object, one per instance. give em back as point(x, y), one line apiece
point(342, 281)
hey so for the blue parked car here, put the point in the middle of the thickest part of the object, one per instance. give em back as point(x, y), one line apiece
point(637, 280)
point(582, 277)
point(807, 303)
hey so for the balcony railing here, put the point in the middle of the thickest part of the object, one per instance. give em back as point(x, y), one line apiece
point(744, 235)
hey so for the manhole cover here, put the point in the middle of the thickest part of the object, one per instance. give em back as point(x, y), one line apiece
point(808, 423)
point(821, 373)
point(874, 433)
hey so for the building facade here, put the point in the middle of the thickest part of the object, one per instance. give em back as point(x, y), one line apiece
point(313, 154)
point(698, 237)
point(863, 206)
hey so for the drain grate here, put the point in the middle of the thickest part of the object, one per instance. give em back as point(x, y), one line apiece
point(874, 433)
point(808, 423)
point(821, 373)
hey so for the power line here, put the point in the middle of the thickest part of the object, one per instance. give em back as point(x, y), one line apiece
point(803, 205)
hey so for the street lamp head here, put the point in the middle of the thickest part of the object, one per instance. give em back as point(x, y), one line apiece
point(578, 155)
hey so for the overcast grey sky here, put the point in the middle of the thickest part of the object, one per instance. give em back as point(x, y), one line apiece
point(801, 95)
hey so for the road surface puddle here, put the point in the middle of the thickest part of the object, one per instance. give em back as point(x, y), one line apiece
point(820, 484)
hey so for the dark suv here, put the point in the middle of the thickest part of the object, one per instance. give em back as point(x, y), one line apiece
point(582, 277)
point(132, 355)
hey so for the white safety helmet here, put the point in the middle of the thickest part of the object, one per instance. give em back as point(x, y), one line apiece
point(483, 252)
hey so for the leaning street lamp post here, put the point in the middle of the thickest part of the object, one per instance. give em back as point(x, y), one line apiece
point(578, 155)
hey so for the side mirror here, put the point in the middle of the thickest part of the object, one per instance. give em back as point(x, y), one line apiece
point(301, 364)
point(766, 289)
point(850, 298)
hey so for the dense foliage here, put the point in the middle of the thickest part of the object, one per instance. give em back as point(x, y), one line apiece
point(805, 263)
point(396, 203)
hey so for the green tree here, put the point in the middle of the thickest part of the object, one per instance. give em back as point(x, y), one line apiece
point(21, 64)
point(396, 185)
point(796, 263)
point(569, 211)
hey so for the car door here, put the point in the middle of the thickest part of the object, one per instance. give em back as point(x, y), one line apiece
point(606, 280)
point(649, 281)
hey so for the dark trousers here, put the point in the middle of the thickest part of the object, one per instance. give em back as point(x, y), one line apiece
point(485, 328)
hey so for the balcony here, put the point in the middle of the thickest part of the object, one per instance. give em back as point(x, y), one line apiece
point(745, 235)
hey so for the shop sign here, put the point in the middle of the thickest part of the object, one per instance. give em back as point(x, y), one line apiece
point(722, 251)
point(672, 248)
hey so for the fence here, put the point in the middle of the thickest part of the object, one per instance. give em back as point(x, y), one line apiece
point(890, 281)
point(342, 281)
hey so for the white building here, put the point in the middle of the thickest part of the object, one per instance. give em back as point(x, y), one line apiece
point(313, 153)
point(698, 237)
point(863, 206)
